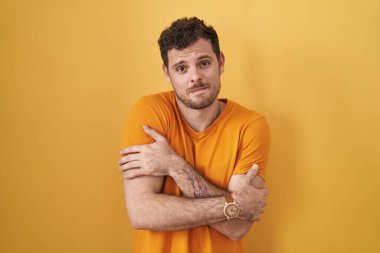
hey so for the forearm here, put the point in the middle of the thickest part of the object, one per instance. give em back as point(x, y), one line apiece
point(193, 185)
point(162, 212)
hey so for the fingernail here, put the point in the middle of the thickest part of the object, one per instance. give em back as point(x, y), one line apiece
point(255, 167)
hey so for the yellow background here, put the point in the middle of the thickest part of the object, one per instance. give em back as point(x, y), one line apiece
point(71, 69)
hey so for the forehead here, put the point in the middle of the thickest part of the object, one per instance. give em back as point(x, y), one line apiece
point(201, 47)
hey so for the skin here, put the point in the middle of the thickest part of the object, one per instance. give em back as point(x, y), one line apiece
point(190, 69)
point(159, 159)
point(194, 73)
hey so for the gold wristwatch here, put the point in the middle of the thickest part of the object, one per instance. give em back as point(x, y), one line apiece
point(231, 208)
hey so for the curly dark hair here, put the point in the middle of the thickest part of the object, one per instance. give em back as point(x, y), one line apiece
point(183, 32)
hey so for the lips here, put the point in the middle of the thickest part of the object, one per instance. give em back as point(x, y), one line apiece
point(197, 89)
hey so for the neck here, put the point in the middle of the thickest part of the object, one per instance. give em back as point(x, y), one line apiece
point(201, 119)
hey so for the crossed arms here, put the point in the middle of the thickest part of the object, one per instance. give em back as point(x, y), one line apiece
point(143, 168)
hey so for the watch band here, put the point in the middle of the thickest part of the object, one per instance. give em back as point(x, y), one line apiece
point(228, 197)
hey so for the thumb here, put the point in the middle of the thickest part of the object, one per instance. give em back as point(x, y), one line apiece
point(252, 172)
point(153, 133)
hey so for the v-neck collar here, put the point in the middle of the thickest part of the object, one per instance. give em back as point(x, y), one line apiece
point(198, 135)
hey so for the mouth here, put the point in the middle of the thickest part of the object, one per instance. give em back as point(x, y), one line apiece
point(197, 91)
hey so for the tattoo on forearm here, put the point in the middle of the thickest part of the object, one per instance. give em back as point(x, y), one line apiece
point(200, 190)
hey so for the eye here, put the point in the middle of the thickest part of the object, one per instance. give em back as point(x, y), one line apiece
point(181, 69)
point(204, 64)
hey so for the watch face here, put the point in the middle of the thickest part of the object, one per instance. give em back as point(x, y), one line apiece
point(232, 210)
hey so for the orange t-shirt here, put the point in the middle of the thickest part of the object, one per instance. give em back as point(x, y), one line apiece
point(236, 140)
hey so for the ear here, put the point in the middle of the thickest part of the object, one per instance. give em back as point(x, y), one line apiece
point(166, 73)
point(221, 61)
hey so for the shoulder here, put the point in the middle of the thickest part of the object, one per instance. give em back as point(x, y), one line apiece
point(158, 105)
point(243, 116)
point(248, 124)
point(156, 101)
point(155, 111)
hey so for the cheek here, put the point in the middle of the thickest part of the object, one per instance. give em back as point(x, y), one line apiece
point(211, 74)
point(179, 83)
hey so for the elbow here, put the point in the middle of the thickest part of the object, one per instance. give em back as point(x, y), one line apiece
point(141, 222)
point(238, 234)
point(136, 218)
point(135, 213)
point(140, 216)
point(235, 237)
point(136, 223)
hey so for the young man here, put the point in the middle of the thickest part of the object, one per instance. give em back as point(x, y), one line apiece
point(190, 159)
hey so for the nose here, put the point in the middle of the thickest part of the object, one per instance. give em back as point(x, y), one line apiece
point(195, 75)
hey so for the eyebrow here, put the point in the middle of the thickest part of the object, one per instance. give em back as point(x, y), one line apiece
point(178, 63)
point(200, 58)
point(204, 57)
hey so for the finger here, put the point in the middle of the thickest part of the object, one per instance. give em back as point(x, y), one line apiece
point(130, 166)
point(265, 192)
point(132, 149)
point(252, 172)
point(153, 133)
point(258, 182)
point(130, 174)
point(246, 217)
point(256, 218)
point(129, 158)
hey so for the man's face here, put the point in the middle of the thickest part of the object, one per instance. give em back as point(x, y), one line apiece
point(194, 73)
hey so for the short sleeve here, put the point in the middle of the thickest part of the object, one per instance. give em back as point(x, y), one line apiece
point(144, 112)
point(254, 147)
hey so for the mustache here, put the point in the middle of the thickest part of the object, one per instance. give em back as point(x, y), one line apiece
point(196, 86)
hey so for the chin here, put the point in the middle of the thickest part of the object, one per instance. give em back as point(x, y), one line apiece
point(199, 102)
point(202, 104)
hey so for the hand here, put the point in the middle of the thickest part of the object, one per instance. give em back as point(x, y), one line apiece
point(153, 159)
point(251, 200)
